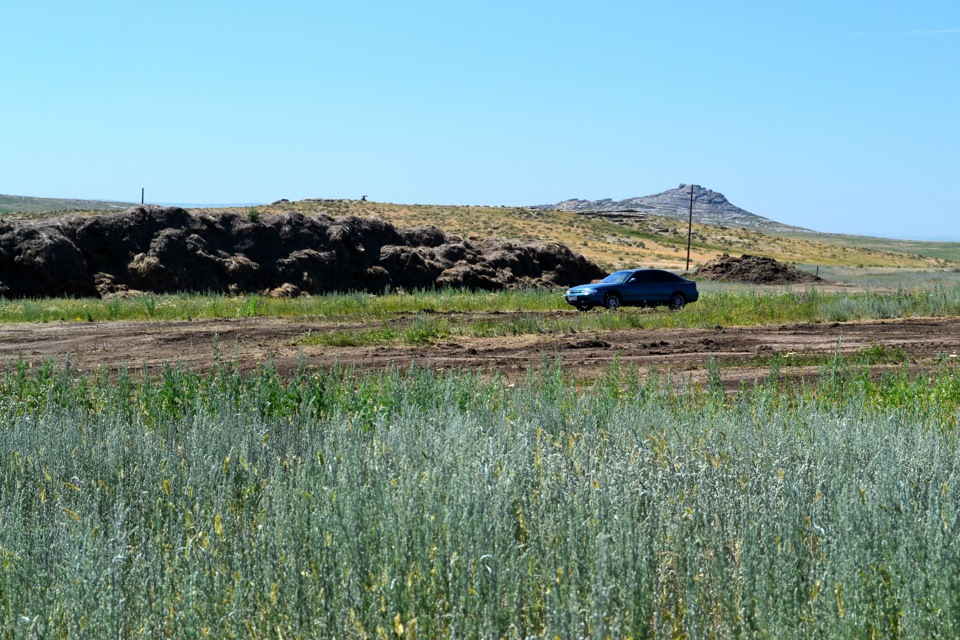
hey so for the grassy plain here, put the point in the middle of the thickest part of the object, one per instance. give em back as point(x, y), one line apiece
point(941, 250)
point(423, 317)
point(630, 241)
point(612, 242)
point(26, 207)
point(424, 505)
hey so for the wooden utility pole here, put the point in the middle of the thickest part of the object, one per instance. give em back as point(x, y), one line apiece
point(141, 195)
point(690, 227)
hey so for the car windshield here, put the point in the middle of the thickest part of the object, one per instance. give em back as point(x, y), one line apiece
point(618, 277)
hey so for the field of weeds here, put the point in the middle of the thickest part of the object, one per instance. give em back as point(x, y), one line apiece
point(336, 503)
point(521, 311)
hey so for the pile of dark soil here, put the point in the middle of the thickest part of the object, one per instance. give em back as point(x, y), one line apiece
point(753, 270)
point(166, 250)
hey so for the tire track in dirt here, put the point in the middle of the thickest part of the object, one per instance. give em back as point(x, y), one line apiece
point(251, 342)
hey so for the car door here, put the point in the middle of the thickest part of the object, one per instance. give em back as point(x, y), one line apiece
point(660, 285)
point(635, 289)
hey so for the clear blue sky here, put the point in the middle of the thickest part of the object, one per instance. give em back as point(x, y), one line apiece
point(839, 116)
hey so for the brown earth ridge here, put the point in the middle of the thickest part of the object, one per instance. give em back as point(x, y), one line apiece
point(743, 353)
point(168, 249)
point(751, 269)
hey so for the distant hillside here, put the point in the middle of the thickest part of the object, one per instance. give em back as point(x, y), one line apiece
point(709, 207)
point(611, 238)
point(26, 204)
point(629, 240)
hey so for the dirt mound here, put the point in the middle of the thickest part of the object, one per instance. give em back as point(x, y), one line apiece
point(753, 270)
point(168, 249)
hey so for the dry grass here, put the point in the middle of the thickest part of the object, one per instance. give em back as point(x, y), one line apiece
point(617, 243)
point(626, 241)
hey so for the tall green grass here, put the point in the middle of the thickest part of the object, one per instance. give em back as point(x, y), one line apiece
point(423, 317)
point(414, 504)
point(717, 309)
point(888, 277)
point(204, 306)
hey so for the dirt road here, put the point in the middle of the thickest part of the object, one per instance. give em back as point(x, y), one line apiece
point(684, 352)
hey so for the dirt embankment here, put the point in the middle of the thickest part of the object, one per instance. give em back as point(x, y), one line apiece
point(685, 353)
point(166, 250)
point(753, 270)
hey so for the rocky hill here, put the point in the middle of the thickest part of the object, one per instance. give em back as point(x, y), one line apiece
point(709, 207)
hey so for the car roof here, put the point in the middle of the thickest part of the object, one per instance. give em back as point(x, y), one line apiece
point(647, 269)
point(655, 270)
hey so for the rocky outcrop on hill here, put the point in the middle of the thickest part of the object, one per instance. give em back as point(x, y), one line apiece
point(165, 250)
point(753, 270)
point(709, 207)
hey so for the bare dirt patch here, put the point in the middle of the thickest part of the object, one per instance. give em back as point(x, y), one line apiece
point(742, 352)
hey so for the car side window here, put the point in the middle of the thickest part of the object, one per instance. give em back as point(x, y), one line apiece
point(664, 276)
point(639, 277)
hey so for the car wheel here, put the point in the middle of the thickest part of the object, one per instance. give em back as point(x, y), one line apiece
point(612, 302)
point(677, 301)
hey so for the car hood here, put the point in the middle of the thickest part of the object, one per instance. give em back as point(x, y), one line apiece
point(581, 287)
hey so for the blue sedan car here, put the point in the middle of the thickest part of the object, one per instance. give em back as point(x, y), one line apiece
point(634, 287)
